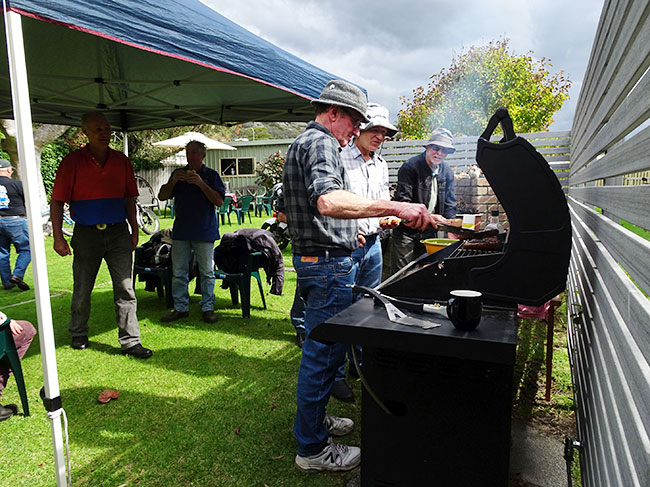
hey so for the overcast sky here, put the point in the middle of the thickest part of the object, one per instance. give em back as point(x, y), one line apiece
point(392, 47)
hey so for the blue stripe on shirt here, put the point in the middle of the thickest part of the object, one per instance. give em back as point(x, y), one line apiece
point(93, 212)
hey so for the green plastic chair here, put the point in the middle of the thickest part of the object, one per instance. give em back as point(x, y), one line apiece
point(240, 283)
point(225, 209)
point(8, 350)
point(243, 208)
point(263, 204)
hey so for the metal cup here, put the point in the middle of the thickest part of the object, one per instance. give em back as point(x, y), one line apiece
point(464, 309)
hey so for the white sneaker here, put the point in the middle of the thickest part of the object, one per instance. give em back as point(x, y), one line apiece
point(338, 426)
point(335, 457)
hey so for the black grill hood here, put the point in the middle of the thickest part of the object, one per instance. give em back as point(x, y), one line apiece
point(532, 268)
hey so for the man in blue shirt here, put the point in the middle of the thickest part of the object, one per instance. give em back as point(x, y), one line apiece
point(197, 191)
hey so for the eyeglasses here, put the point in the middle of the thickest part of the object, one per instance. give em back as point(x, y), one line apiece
point(437, 148)
point(354, 118)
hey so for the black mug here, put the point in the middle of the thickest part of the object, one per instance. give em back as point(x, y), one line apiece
point(464, 309)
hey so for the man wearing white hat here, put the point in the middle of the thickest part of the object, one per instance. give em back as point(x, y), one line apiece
point(368, 174)
point(321, 214)
point(425, 179)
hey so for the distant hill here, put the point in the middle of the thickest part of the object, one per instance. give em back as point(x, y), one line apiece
point(272, 130)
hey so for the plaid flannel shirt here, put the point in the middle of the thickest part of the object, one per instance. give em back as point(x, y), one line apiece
point(313, 168)
point(368, 179)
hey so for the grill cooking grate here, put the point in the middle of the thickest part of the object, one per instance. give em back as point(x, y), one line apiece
point(461, 252)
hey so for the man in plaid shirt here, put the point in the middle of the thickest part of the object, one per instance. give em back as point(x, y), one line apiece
point(322, 213)
point(368, 174)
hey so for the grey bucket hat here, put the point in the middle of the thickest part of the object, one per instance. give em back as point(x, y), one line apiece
point(443, 138)
point(378, 117)
point(344, 94)
point(4, 164)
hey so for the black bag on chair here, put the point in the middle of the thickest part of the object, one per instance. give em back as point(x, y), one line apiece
point(231, 253)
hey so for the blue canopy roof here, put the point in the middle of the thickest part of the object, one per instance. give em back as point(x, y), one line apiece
point(152, 64)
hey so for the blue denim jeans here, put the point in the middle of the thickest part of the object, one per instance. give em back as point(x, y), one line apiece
point(368, 262)
point(324, 286)
point(13, 230)
point(181, 256)
point(297, 312)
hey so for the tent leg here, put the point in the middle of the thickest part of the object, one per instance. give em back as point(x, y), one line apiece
point(59, 457)
point(29, 171)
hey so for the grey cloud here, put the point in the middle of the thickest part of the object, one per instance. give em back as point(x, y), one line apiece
point(392, 47)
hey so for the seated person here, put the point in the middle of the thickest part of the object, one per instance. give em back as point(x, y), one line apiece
point(23, 333)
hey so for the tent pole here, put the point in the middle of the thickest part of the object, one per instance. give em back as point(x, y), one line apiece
point(29, 171)
point(125, 144)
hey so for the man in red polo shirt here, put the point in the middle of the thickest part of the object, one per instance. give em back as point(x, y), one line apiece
point(100, 186)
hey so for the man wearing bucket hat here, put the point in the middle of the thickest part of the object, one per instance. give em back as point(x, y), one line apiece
point(425, 179)
point(322, 213)
point(368, 175)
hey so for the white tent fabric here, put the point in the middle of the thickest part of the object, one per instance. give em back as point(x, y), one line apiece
point(183, 140)
point(144, 66)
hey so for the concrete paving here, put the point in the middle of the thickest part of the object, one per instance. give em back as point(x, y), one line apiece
point(535, 458)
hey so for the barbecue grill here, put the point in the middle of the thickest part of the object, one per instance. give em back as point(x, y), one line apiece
point(532, 266)
point(442, 401)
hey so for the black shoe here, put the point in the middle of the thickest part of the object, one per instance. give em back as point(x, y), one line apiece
point(300, 338)
point(174, 315)
point(209, 316)
point(18, 281)
point(79, 343)
point(138, 351)
point(8, 286)
point(8, 411)
point(341, 391)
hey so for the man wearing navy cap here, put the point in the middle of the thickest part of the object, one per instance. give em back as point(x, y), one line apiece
point(13, 229)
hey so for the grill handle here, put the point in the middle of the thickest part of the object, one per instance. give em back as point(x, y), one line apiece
point(500, 117)
point(420, 308)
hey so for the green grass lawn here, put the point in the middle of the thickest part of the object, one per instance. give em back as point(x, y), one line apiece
point(214, 406)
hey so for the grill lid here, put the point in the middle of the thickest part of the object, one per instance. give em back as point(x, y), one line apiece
point(533, 266)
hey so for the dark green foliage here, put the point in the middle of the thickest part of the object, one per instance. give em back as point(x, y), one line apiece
point(50, 159)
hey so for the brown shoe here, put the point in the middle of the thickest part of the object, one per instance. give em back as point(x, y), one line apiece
point(174, 315)
point(209, 316)
point(18, 281)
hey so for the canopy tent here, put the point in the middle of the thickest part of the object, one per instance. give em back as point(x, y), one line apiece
point(145, 64)
point(183, 140)
point(153, 64)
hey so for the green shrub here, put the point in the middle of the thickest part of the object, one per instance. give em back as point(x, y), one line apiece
point(50, 159)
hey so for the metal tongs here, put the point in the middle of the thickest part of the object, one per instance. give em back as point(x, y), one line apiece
point(395, 314)
point(466, 233)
